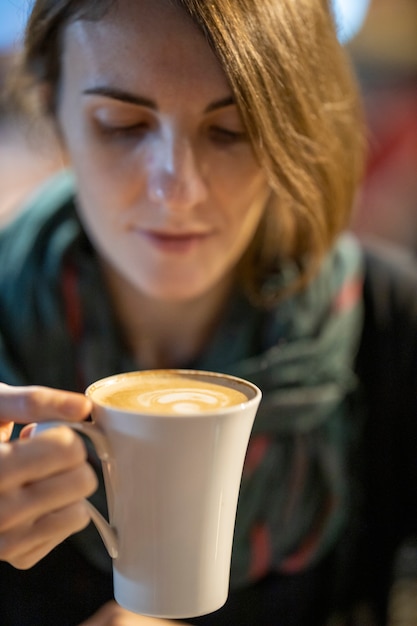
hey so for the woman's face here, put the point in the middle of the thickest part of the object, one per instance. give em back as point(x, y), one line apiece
point(169, 190)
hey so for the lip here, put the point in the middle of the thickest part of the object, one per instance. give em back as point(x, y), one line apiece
point(174, 242)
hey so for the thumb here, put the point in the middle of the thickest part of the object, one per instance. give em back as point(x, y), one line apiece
point(40, 404)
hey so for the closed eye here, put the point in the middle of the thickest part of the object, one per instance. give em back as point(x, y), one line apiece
point(137, 130)
point(225, 136)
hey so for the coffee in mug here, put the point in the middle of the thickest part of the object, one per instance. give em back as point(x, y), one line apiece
point(169, 392)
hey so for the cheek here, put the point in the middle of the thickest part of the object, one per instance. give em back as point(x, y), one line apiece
point(236, 180)
point(242, 193)
point(250, 206)
point(242, 215)
point(115, 183)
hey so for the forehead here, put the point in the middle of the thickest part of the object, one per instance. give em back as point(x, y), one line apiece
point(141, 40)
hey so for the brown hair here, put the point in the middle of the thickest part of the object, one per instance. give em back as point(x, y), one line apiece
point(298, 98)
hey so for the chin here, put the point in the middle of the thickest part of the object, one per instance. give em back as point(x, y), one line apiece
point(175, 292)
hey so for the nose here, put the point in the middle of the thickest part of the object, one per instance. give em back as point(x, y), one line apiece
point(175, 180)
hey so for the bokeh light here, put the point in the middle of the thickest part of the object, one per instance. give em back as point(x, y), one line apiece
point(350, 15)
point(13, 15)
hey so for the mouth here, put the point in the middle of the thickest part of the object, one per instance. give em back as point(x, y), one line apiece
point(174, 242)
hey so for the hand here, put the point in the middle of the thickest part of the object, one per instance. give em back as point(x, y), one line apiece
point(111, 614)
point(43, 480)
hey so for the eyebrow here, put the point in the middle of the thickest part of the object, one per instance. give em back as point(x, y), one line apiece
point(119, 94)
point(220, 104)
point(124, 96)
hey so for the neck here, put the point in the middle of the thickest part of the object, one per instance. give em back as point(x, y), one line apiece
point(163, 334)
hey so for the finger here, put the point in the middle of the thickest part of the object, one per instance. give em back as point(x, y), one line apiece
point(24, 547)
point(105, 616)
point(37, 404)
point(24, 506)
point(6, 429)
point(25, 461)
point(111, 614)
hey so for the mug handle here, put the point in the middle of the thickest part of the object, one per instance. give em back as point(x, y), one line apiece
point(106, 531)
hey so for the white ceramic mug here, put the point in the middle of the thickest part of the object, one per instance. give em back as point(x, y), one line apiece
point(172, 480)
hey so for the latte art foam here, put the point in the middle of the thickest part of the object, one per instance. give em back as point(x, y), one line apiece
point(185, 400)
point(169, 394)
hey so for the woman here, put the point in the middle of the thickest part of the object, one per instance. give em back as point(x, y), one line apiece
point(215, 151)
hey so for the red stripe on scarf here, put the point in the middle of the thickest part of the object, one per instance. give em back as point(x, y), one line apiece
point(71, 300)
point(304, 555)
point(298, 475)
point(261, 551)
point(348, 296)
point(73, 314)
point(256, 451)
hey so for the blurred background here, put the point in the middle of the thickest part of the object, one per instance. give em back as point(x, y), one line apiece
point(381, 37)
point(28, 150)
point(385, 54)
